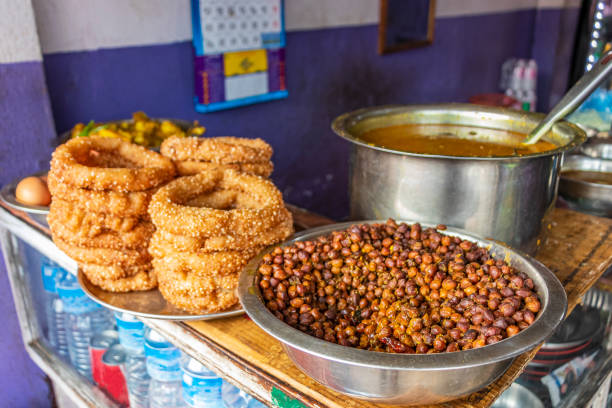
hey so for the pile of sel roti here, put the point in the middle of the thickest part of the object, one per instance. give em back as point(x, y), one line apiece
point(185, 221)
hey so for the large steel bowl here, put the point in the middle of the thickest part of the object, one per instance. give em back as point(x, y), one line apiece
point(505, 198)
point(593, 198)
point(402, 378)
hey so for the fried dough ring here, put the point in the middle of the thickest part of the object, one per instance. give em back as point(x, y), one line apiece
point(204, 263)
point(168, 211)
point(220, 150)
point(143, 280)
point(132, 204)
point(215, 199)
point(182, 243)
point(212, 302)
point(196, 293)
point(99, 163)
point(189, 168)
point(103, 256)
point(137, 238)
point(102, 272)
point(82, 223)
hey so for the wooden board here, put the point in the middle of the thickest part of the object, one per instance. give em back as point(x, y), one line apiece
point(578, 250)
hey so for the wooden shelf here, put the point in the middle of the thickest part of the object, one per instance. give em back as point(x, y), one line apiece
point(578, 250)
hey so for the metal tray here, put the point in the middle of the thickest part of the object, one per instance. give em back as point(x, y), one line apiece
point(149, 304)
point(37, 213)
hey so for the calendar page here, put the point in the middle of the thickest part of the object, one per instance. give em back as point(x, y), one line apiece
point(239, 52)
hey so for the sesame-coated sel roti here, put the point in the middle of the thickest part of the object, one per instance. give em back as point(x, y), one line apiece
point(220, 150)
point(261, 207)
point(209, 226)
point(104, 256)
point(101, 189)
point(82, 223)
point(185, 243)
point(101, 202)
point(190, 167)
point(137, 238)
point(142, 280)
point(206, 263)
point(194, 292)
point(110, 164)
point(102, 272)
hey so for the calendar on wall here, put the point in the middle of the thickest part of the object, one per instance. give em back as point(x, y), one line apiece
point(239, 52)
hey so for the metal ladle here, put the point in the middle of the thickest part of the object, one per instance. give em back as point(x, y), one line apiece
point(573, 98)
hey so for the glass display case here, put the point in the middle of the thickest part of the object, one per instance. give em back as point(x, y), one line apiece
point(571, 369)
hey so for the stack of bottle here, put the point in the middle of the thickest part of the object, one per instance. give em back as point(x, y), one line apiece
point(134, 364)
point(164, 368)
point(131, 337)
point(233, 397)
point(519, 80)
point(201, 387)
point(83, 319)
point(54, 309)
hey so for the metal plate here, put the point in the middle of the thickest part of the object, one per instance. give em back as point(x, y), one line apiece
point(581, 326)
point(7, 194)
point(149, 304)
point(36, 212)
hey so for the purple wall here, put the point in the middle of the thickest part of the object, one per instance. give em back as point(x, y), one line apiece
point(329, 72)
point(26, 124)
point(553, 47)
point(26, 132)
point(22, 383)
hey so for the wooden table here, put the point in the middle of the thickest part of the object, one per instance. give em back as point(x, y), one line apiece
point(578, 250)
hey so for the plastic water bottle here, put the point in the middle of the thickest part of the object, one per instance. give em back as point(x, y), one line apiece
point(83, 318)
point(164, 367)
point(201, 387)
point(233, 397)
point(131, 337)
point(253, 403)
point(54, 309)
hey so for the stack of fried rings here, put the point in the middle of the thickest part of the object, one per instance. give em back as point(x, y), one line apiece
point(208, 226)
point(101, 188)
point(194, 155)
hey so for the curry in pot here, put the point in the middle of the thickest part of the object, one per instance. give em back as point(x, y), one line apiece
point(453, 140)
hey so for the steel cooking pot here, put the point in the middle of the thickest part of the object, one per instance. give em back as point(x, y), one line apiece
point(504, 198)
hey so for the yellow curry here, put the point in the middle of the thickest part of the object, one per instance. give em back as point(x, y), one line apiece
point(453, 140)
point(141, 130)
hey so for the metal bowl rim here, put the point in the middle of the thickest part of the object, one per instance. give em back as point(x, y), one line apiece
point(339, 127)
point(584, 158)
point(551, 315)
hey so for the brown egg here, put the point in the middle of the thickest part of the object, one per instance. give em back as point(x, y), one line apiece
point(33, 191)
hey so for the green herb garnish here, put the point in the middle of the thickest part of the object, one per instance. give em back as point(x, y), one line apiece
point(87, 128)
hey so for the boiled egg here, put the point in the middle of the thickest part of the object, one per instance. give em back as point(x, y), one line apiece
point(33, 191)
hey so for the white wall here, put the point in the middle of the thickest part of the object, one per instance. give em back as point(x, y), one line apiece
point(76, 25)
point(18, 39)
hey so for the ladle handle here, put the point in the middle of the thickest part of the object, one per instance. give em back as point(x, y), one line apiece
point(574, 97)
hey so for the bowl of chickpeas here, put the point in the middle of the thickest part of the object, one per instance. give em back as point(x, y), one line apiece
point(401, 312)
